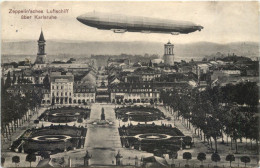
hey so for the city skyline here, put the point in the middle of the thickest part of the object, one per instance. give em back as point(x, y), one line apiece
point(221, 25)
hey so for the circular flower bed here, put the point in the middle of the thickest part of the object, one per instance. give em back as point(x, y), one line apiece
point(157, 139)
point(55, 139)
point(152, 136)
point(51, 138)
point(139, 113)
point(65, 114)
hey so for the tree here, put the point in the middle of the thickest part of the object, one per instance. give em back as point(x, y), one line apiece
point(2, 161)
point(230, 158)
point(36, 122)
point(201, 157)
point(213, 129)
point(61, 161)
point(19, 79)
point(22, 80)
point(46, 81)
point(8, 80)
point(245, 159)
point(215, 158)
point(187, 156)
point(15, 159)
point(14, 79)
point(30, 158)
point(80, 120)
point(45, 155)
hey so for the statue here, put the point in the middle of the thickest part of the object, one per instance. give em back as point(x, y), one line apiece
point(102, 114)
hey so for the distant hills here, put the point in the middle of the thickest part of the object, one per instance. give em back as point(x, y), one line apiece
point(67, 48)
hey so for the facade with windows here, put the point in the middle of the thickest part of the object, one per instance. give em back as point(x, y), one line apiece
point(61, 88)
point(134, 93)
point(83, 94)
point(63, 91)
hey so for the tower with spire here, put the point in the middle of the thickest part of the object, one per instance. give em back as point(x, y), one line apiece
point(40, 61)
point(168, 54)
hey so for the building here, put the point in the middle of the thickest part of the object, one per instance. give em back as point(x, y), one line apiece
point(143, 74)
point(40, 61)
point(61, 88)
point(168, 54)
point(134, 93)
point(64, 91)
point(83, 94)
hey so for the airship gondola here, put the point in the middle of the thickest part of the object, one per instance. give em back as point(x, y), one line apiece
point(123, 23)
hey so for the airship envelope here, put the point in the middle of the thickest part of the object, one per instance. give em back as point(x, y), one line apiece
point(123, 23)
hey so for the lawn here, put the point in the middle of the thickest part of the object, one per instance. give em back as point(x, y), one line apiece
point(65, 114)
point(139, 113)
point(157, 139)
point(53, 139)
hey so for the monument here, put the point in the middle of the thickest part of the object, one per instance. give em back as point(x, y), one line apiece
point(103, 114)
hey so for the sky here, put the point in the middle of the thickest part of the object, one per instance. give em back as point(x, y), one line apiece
point(223, 22)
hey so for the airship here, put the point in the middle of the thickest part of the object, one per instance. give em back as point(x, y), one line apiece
point(122, 23)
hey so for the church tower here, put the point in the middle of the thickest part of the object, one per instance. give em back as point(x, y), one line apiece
point(168, 54)
point(40, 61)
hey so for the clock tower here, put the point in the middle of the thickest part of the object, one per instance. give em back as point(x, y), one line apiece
point(168, 54)
point(41, 55)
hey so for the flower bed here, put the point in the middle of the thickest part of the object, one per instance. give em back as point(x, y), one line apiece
point(65, 114)
point(139, 113)
point(53, 139)
point(153, 138)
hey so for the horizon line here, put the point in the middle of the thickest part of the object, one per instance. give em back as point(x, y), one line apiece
point(22, 40)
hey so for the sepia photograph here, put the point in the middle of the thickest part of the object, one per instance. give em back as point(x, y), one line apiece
point(130, 84)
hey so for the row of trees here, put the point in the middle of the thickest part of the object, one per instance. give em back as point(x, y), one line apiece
point(186, 155)
point(15, 107)
point(29, 158)
point(231, 109)
point(22, 80)
point(15, 79)
point(215, 158)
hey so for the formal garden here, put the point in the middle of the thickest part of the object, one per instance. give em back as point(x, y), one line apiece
point(65, 114)
point(138, 113)
point(52, 139)
point(157, 139)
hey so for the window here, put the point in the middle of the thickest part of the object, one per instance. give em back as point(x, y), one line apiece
point(65, 93)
